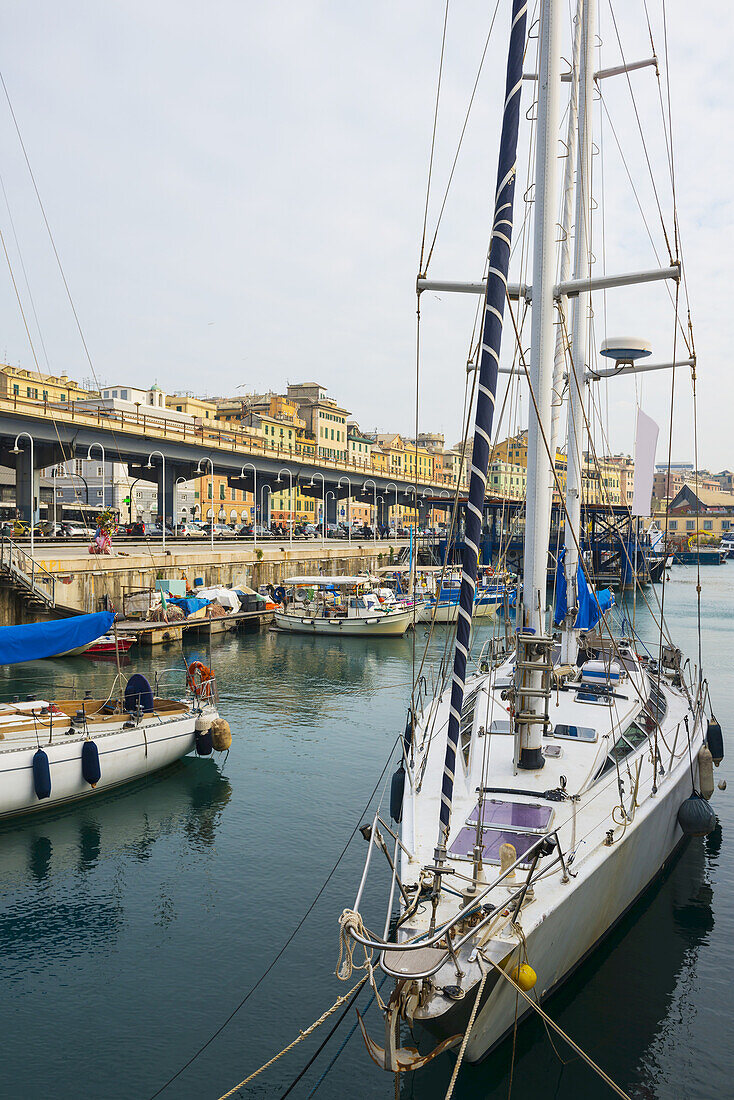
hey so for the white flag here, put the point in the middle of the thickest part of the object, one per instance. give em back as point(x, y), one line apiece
point(646, 440)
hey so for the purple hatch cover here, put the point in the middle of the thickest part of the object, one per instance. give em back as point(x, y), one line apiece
point(493, 840)
point(521, 815)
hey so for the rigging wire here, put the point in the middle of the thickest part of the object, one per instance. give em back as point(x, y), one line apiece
point(642, 134)
point(433, 138)
point(25, 273)
point(287, 943)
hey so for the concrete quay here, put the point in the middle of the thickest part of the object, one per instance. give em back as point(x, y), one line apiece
point(88, 583)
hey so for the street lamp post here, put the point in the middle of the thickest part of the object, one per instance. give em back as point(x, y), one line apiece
point(396, 507)
point(54, 475)
point(330, 494)
point(374, 493)
point(270, 493)
point(16, 451)
point(254, 497)
point(290, 502)
point(211, 482)
point(323, 505)
point(89, 458)
point(161, 506)
point(349, 506)
point(179, 481)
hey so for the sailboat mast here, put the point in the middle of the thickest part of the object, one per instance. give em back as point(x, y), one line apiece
point(494, 306)
point(564, 269)
point(540, 472)
point(582, 270)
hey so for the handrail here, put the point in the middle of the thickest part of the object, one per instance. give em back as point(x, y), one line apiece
point(229, 437)
point(383, 945)
point(37, 575)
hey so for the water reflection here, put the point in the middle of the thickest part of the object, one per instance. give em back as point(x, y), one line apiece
point(187, 799)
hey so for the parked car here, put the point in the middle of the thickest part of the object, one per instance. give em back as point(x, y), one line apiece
point(155, 530)
point(137, 529)
point(77, 531)
point(221, 530)
point(48, 529)
point(309, 531)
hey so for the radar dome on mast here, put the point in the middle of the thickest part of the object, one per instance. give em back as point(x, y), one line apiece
point(625, 349)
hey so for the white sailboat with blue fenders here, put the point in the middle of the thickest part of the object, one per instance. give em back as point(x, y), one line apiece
point(538, 793)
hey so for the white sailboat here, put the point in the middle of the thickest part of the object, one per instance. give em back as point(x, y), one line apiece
point(539, 797)
point(58, 750)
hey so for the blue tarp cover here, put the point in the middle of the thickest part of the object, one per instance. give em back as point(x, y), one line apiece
point(188, 604)
point(37, 640)
point(591, 603)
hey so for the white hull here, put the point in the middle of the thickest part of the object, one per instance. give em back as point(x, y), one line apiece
point(124, 755)
point(562, 921)
point(391, 624)
point(447, 613)
point(594, 902)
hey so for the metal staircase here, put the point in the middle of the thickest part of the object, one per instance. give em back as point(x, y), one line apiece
point(23, 574)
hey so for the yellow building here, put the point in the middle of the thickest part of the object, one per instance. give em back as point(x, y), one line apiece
point(418, 463)
point(31, 385)
point(197, 407)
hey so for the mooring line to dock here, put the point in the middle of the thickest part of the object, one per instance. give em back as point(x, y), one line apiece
point(557, 1028)
point(301, 1036)
point(292, 936)
point(338, 1054)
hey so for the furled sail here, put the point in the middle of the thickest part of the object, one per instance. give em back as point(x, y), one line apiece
point(591, 603)
point(499, 262)
point(36, 640)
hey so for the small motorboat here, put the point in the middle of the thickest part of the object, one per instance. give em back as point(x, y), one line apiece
point(108, 645)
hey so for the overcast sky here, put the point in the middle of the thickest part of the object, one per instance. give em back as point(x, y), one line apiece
point(236, 192)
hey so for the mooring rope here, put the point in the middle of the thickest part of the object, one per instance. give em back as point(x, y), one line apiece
point(467, 1033)
point(557, 1028)
point(299, 1038)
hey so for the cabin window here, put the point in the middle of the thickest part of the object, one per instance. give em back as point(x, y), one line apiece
point(574, 733)
point(631, 739)
point(657, 704)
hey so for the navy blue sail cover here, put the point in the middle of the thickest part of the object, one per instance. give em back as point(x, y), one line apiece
point(494, 305)
point(36, 640)
point(591, 604)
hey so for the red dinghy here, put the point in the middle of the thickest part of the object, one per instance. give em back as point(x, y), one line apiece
point(105, 646)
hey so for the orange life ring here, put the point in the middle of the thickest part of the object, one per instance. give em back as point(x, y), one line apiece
point(205, 675)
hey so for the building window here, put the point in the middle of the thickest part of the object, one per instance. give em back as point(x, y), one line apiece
point(16, 391)
point(708, 525)
point(221, 491)
point(209, 491)
point(690, 525)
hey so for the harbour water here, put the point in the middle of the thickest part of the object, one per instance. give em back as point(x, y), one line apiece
point(133, 925)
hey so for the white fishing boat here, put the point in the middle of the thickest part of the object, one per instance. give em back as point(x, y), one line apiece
point(489, 596)
point(541, 790)
point(344, 606)
point(56, 750)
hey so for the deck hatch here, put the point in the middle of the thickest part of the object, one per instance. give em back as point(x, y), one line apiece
point(503, 822)
point(574, 733)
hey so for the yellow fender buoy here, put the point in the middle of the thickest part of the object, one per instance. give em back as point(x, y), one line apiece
point(525, 977)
